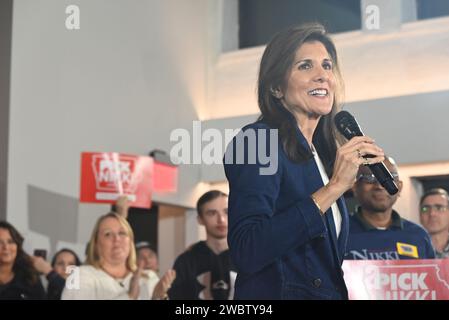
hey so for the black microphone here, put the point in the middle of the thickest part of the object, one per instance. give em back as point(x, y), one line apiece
point(348, 127)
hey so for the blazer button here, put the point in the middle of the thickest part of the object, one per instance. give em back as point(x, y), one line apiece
point(317, 282)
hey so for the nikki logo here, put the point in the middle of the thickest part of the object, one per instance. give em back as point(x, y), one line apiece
point(114, 175)
point(112, 172)
point(365, 254)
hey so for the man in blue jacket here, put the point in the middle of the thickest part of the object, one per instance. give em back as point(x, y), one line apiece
point(376, 231)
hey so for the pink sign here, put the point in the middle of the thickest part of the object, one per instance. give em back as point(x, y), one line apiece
point(106, 176)
point(397, 279)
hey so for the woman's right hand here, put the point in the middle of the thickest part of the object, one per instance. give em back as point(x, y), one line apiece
point(350, 157)
point(122, 206)
point(134, 285)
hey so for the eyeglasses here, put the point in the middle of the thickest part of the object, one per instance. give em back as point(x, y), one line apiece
point(425, 209)
point(110, 234)
point(370, 178)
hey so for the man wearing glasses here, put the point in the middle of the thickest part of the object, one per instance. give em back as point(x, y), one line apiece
point(376, 231)
point(434, 216)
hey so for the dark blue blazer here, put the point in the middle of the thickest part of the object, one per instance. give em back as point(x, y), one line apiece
point(281, 245)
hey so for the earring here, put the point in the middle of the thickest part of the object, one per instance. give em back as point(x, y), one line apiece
point(276, 93)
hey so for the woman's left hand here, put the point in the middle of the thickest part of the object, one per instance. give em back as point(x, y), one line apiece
point(164, 284)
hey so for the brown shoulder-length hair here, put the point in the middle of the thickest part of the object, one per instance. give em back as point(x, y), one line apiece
point(23, 266)
point(275, 66)
point(93, 257)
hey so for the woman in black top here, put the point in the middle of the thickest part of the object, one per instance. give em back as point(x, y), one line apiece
point(18, 278)
point(56, 272)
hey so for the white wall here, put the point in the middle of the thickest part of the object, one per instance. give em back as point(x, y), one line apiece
point(133, 72)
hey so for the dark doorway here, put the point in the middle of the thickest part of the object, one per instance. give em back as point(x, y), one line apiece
point(428, 9)
point(259, 20)
point(431, 182)
point(144, 223)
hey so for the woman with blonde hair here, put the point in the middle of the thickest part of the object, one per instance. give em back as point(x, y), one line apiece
point(111, 271)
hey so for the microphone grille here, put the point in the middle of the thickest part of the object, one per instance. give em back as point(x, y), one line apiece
point(347, 125)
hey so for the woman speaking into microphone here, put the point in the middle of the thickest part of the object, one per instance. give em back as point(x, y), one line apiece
point(288, 229)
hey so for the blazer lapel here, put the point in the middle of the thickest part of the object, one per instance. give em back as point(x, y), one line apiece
point(343, 239)
point(316, 183)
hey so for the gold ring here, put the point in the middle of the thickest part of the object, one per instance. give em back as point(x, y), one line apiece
point(366, 162)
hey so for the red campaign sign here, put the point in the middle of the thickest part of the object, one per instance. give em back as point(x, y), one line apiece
point(165, 177)
point(106, 176)
point(397, 279)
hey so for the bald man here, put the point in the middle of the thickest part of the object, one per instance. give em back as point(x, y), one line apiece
point(376, 231)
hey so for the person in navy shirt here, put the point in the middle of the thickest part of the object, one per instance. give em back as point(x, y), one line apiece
point(288, 224)
point(376, 231)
